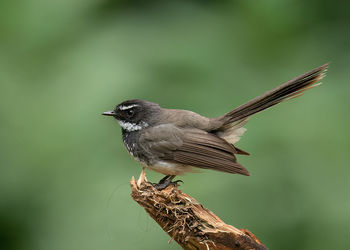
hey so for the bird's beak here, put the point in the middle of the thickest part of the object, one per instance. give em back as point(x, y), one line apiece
point(109, 113)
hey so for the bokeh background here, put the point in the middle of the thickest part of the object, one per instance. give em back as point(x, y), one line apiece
point(64, 180)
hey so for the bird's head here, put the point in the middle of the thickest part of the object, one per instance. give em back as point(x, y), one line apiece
point(134, 115)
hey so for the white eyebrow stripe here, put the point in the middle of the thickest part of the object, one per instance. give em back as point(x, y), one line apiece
point(127, 107)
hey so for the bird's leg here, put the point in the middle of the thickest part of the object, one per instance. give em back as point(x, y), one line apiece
point(166, 181)
point(162, 181)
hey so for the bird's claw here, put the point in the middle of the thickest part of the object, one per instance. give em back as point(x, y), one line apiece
point(163, 184)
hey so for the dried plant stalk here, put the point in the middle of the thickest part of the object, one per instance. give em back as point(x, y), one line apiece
point(187, 222)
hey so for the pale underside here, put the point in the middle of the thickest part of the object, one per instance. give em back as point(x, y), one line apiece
point(168, 168)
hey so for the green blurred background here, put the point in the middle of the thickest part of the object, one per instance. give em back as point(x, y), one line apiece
point(64, 180)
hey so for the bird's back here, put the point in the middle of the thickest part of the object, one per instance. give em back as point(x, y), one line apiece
point(185, 118)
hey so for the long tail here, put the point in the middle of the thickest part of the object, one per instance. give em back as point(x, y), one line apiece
point(286, 91)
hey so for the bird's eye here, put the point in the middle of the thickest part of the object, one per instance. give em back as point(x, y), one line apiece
point(130, 112)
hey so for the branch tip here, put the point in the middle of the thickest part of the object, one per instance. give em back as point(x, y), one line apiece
point(187, 222)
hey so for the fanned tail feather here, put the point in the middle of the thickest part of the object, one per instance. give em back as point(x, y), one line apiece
point(289, 90)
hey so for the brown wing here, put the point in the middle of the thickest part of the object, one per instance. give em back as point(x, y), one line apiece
point(192, 147)
point(205, 150)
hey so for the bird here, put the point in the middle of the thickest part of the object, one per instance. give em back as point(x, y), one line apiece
point(175, 141)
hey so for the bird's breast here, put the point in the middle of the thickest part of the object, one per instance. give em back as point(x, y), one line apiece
point(131, 143)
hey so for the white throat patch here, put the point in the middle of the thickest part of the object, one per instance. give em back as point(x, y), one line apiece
point(128, 126)
point(127, 107)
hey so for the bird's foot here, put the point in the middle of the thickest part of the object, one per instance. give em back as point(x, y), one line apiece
point(163, 184)
point(165, 178)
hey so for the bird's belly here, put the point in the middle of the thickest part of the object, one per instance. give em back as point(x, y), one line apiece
point(169, 168)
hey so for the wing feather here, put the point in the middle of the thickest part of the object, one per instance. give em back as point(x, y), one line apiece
point(205, 150)
point(191, 147)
